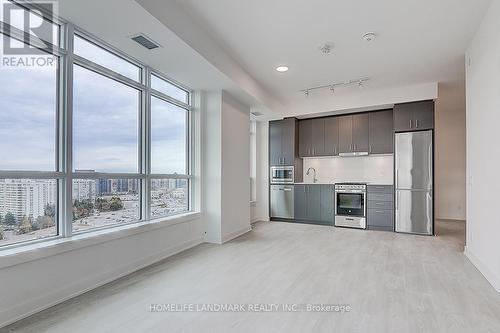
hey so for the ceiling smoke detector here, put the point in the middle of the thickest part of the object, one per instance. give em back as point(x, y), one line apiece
point(326, 48)
point(369, 36)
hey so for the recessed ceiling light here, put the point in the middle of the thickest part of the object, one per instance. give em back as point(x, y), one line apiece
point(282, 68)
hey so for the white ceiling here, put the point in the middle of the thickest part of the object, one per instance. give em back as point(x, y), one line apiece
point(114, 21)
point(418, 41)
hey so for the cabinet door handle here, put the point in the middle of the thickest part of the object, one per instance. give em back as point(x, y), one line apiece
point(284, 160)
point(411, 124)
point(370, 149)
point(416, 123)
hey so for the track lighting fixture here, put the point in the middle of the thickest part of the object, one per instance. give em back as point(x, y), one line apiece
point(359, 82)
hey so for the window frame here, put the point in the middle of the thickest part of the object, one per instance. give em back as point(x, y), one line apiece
point(64, 173)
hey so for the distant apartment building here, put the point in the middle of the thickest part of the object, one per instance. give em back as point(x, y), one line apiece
point(84, 189)
point(26, 197)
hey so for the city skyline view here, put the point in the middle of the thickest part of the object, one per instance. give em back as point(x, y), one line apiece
point(28, 208)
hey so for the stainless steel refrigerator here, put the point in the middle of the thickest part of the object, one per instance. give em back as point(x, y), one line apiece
point(414, 182)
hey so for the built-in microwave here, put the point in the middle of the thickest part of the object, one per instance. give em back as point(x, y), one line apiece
point(282, 175)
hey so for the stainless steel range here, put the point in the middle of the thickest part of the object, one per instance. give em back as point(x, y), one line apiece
point(350, 205)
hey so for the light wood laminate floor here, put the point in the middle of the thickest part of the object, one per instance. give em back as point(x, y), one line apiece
point(393, 282)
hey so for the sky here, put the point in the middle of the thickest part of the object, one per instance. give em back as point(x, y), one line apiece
point(105, 121)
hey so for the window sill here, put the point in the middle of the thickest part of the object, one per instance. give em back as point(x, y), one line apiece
point(30, 252)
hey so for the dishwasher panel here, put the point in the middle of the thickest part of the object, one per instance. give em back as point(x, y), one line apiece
point(282, 197)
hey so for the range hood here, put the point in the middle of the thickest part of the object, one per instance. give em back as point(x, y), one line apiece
point(354, 153)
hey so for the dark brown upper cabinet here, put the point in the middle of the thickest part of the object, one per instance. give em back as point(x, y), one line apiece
point(369, 132)
point(305, 138)
point(381, 132)
point(414, 116)
point(345, 134)
point(360, 139)
point(353, 133)
point(312, 137)
point(318, 137)
point(283, 141)
point(331, 136)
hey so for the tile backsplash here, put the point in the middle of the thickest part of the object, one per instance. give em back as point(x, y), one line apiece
point(375, 169)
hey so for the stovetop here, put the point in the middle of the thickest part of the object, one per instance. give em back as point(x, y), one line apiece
point(350, 186)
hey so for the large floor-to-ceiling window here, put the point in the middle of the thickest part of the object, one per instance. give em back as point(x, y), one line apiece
point(90, 138)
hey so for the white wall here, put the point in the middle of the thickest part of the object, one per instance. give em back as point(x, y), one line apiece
point(483, 135)
point(226, 172)
point(450, 152)
point(375, 169)
point(235, 215)
point(212, 174)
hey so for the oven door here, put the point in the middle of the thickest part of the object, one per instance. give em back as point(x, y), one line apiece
point(350, 204)
point(281, 175)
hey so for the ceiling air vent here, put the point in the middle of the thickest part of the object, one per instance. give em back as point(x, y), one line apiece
point(145, 41)
point(257, 113)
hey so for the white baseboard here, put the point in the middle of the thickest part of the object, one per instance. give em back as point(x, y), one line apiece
point(236, 234)
point(259, 219)
point(87, 284)
point(255, 219)
point(491, 277)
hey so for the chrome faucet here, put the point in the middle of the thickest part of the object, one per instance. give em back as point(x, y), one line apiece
point(314, 175)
